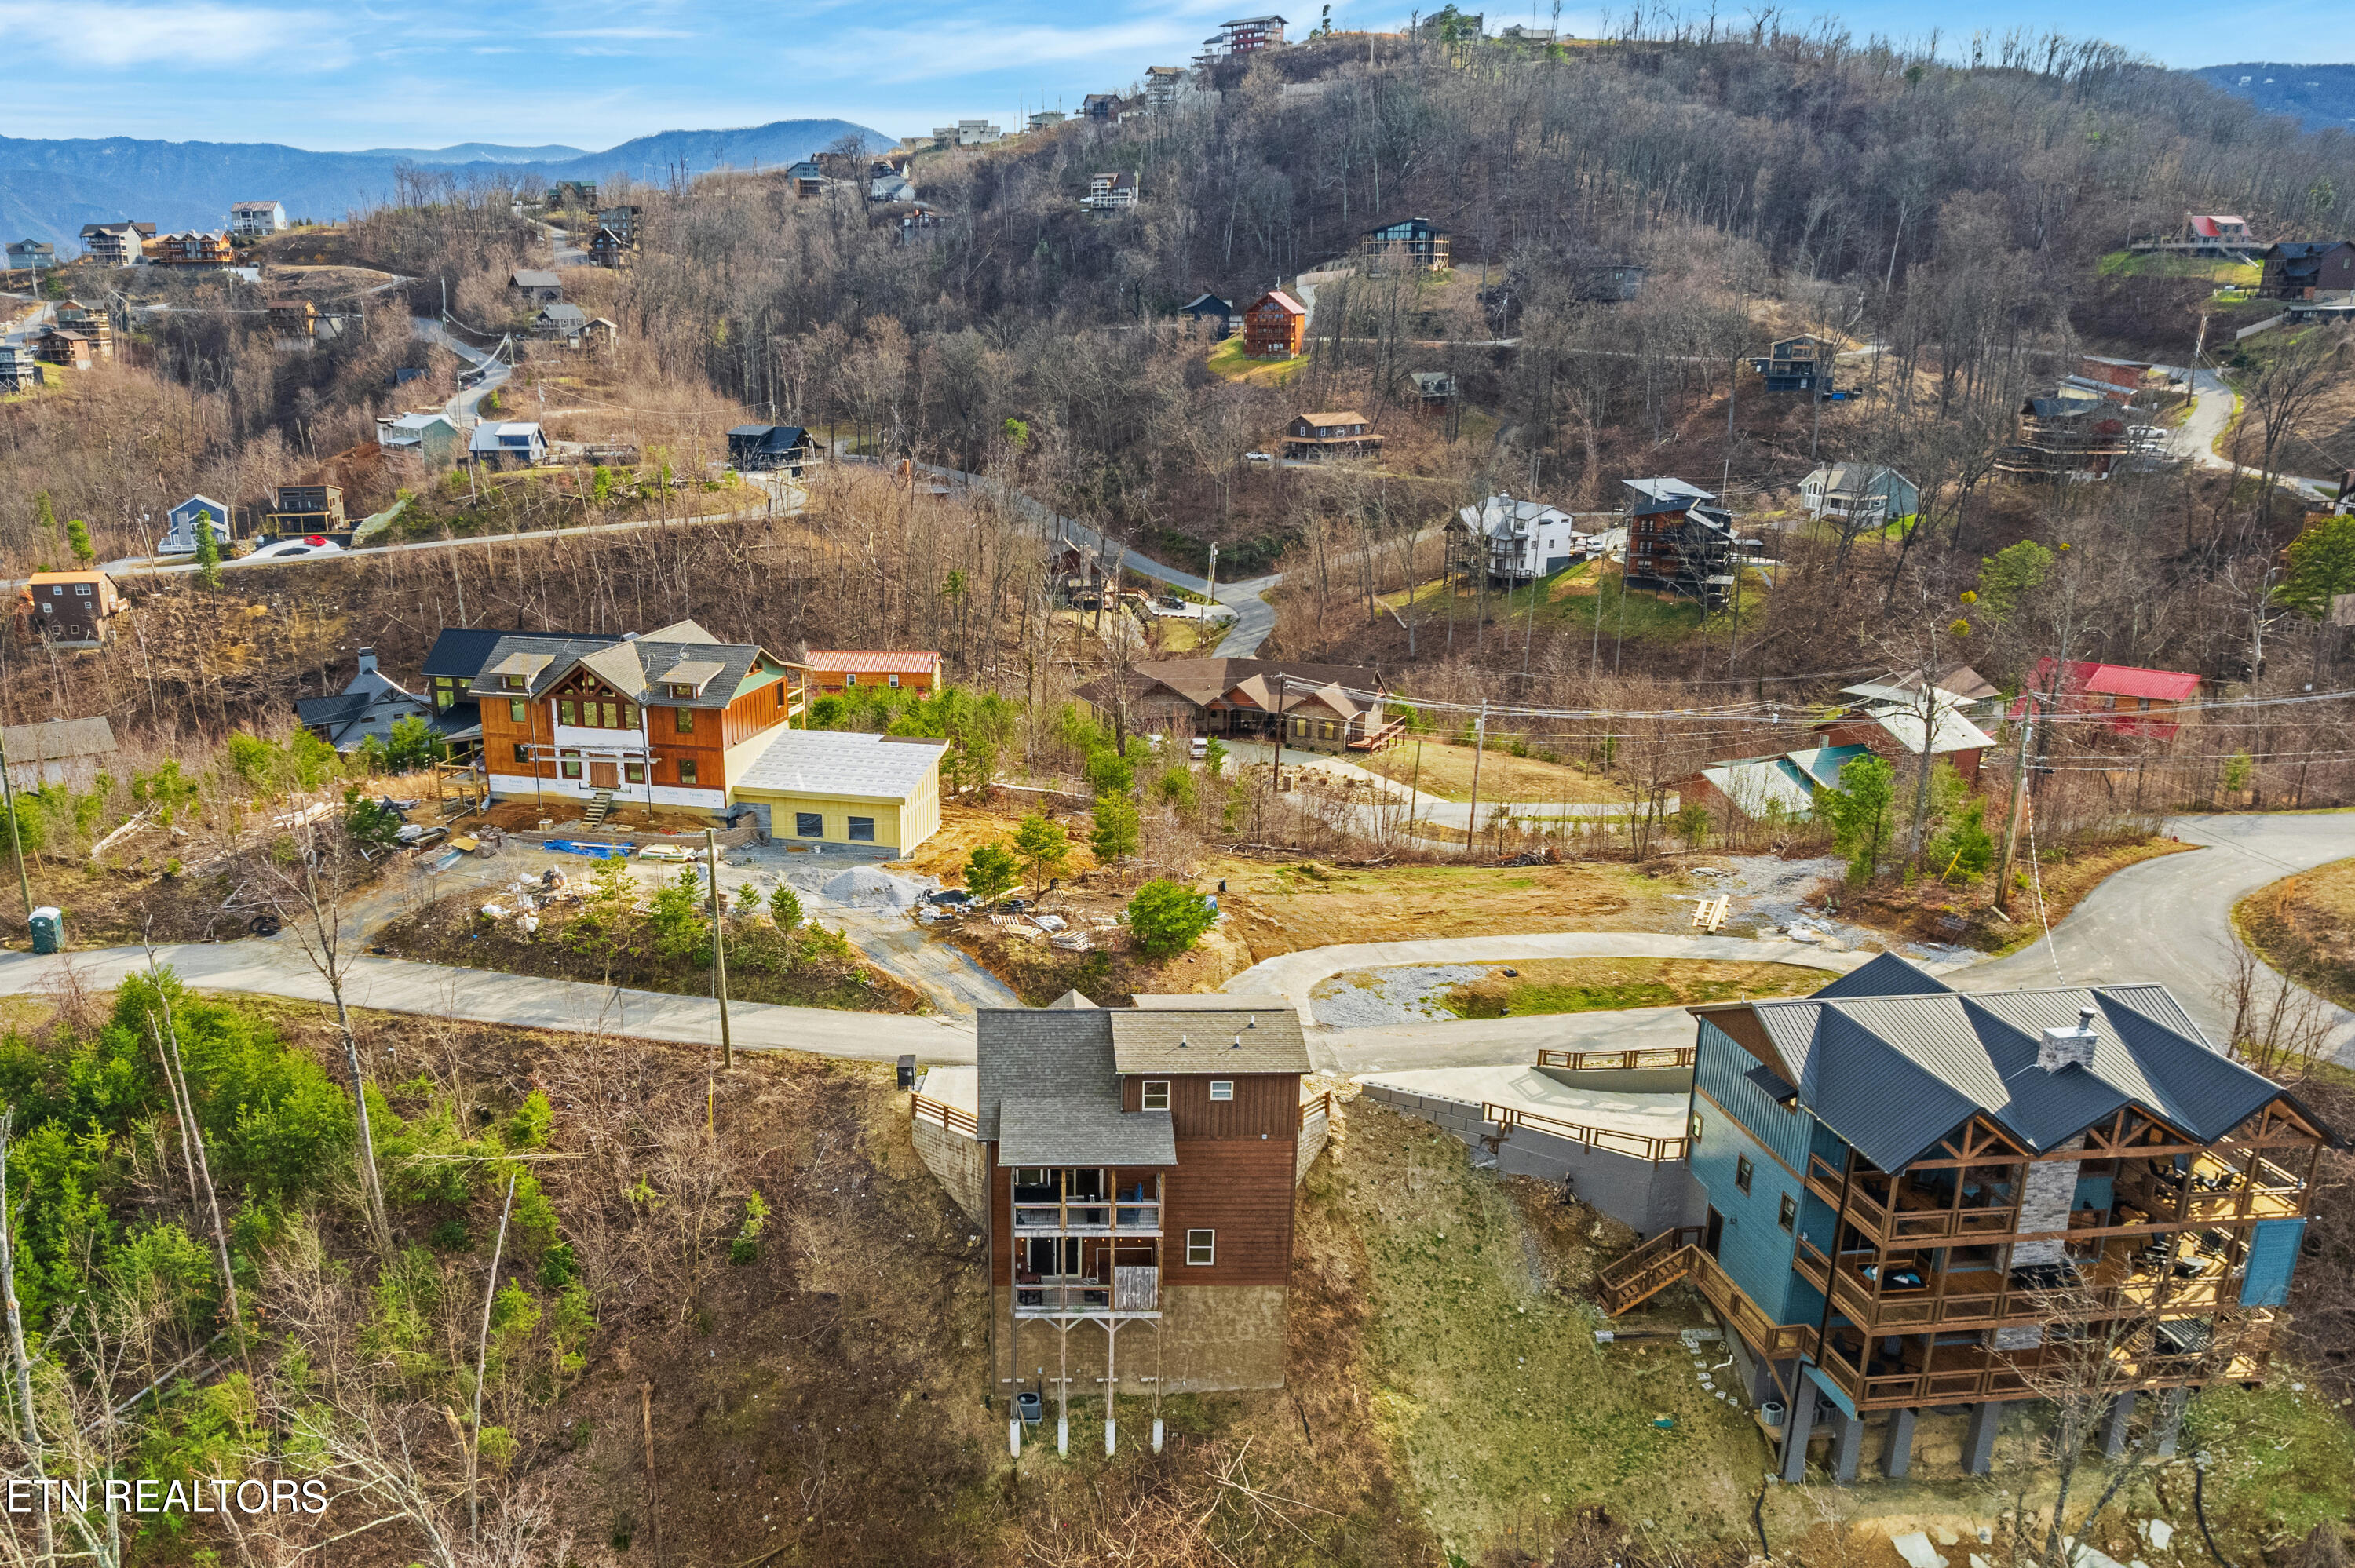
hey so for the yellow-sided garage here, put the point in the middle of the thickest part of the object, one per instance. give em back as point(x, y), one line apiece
point(819, 786)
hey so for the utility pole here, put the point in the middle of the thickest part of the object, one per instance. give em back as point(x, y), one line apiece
point(2019, 804)
point(718, 952)
point(1732, 384)
point(1213, 590)
point(1480, 744)
point(1280, 681)
point(16, 839)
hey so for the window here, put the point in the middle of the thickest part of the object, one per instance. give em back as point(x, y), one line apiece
point(862, 830)
point(1157, 1094)
point(685, 718)
point(612, 715)
point(1222, 1089)
point(443, 694)
point(83, 590)
point(567, 712)
point(516, 714)
point(1201, 1248)
point(523, 753)
point(809, 824)
point(895, 680)
point(1693, 1131)
point(850, 680)
point(1741, 1172)
point(634, 772)
point(1789, 1218)
point(48, 609)
point(570, 767)
point(686, 770)
point(629, 716)
point(511, 682)
point(682, 689)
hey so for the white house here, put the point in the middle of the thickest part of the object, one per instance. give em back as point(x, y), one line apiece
point(248, 220)
point(186, 518)
point(890, 185)
point(1861, 491)
point(1525, 539)
point(498, 443)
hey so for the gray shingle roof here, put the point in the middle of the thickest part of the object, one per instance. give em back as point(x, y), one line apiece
point(828, 762)
point(57, 739)
point(635, 668)
point(1893, 1061)
point(1083, 1132)
point(1038, 1054)
point(1238, 1042)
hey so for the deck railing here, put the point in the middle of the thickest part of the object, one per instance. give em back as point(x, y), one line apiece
point(1132, 1288)
point(1089, 1216)
point(955, 1118)
point(1592, 1061)
point(1637, 1145)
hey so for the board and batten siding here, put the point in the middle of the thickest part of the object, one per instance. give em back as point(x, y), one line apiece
point(1266, 1105)
point(1734, 1119)
point(1242, 1191)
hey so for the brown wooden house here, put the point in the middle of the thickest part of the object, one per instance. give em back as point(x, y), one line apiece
point(1134, 1170)
point(68, 610)
point(666, 719)
point(1274, 326)
point(1341, 432)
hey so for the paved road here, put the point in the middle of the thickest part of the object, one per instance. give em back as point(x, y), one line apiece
point(2170, 919)
point(277, 968)
point(465, 408)
point(2212, 411)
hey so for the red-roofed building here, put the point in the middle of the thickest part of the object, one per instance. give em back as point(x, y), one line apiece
point(840, 669)
point(2140, 702)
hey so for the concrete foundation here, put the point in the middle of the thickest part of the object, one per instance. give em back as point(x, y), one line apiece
point(1848, 1442)
point(1978, 1439)
point(1212, 1339)
point(1797, 1428)
point(2167, 1431)
point(2116, 1422)
point(1645, 1196)
point(1897, 1444)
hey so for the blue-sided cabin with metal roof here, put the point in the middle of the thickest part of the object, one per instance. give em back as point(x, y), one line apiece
point(1919, 1197)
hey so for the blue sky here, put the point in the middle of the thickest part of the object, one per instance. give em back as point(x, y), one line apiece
point(595, 72)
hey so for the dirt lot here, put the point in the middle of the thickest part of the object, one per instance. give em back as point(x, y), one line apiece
point(2305, 927)
point(1282, 907)
point(1444, 769)
point(1588, 985)
point(1960, 916)
point(813, 970)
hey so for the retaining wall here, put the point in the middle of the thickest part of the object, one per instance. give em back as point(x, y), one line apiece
point(958, 1160)
point(1636, 1192)
point(1316, 1127)
point(728, 838)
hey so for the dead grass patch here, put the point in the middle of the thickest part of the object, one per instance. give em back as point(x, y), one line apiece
point(1284, 906)
point(2305, 927)
point(1444, 769)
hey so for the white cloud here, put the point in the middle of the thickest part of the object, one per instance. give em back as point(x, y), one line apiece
point(115, 37)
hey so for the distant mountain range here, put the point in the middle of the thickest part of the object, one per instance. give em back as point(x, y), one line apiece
point(49, 190)
point(2321, 96)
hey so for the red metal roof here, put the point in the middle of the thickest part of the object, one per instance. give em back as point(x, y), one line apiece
point(864, 662)
point(2120, 681)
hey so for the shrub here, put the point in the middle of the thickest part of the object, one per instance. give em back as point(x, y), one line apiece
point(1165, 919)
point(990, 872)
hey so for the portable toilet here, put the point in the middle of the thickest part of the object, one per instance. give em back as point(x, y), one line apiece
point(48, 928)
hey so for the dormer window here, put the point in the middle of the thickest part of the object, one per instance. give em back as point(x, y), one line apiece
point(511, 682)
point(681, 689)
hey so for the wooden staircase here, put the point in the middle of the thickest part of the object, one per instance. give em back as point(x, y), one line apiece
point(1649, 1269)
point(600, 805)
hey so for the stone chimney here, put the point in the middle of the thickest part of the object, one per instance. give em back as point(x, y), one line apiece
point(2062, 1048)
point(367, 661)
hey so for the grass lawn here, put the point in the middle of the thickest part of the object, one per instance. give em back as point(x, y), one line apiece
point(1280, 907)
point(2163, 264)
point(1445, 771)
point(1570, 597)
point(1594, 985)
point(1484, 1371)
point(1229, 362)
point(2305, 927)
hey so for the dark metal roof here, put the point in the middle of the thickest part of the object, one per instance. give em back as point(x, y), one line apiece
point(1886, 975)
point(460, 652)
point(1893, 1072)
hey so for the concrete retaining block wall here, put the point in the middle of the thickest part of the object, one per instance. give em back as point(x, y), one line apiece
point(1635, 1192)
point(1315, 1127)
point(958, 1160)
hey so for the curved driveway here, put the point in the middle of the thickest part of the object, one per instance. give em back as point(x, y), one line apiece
point(2167, 920)
point(2170, 919)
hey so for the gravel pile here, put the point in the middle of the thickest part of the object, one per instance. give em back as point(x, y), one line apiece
point(1408, 993)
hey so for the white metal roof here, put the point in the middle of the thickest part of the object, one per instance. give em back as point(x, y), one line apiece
point(830, 762)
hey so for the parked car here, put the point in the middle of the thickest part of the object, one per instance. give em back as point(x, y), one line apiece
point(1257, 457)
point(286, 549)
point(1199, 749)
